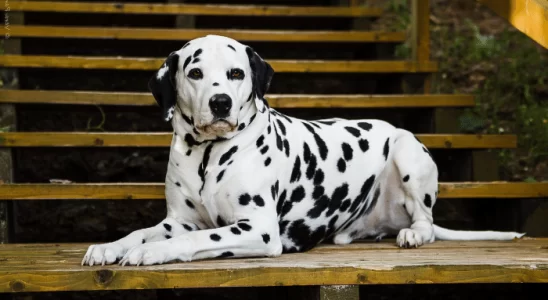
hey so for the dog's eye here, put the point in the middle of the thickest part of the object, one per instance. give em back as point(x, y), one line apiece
point(236, 74)
point(195, 74)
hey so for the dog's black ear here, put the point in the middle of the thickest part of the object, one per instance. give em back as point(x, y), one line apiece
point(163, 85)
point(262, 73)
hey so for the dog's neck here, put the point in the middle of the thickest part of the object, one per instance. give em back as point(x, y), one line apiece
point(183, 123)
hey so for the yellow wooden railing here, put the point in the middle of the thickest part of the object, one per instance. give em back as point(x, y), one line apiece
point(528, 16)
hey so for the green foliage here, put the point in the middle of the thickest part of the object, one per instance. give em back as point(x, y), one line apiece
point(508, 74)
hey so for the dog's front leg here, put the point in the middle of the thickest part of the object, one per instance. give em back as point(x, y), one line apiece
point(248, 237)
point(108, 253)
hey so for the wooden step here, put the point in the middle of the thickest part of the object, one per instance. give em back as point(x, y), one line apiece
point(189, 9)
point(163, 139)
point(56, 267)
point(149, 63)
point(189, 34)
point(156, 191)
point(277, 101)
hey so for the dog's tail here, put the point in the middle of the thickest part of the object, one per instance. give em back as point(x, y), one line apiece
point(465, 235)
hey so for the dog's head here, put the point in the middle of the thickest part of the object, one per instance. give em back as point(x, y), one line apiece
point(211, 78)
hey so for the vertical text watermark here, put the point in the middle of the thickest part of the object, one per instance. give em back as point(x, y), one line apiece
point(7, 18)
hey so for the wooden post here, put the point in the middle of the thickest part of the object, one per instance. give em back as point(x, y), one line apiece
point(420, 36)
point(10, 80)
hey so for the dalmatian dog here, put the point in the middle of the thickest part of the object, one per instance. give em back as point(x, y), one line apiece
point(244, 180)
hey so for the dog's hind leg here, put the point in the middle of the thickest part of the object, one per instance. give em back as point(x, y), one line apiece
point(419, 181)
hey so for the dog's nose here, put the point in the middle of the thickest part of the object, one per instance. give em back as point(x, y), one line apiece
point(220, 105)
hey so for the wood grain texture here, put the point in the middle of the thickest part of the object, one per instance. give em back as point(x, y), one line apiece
point(149, 63)
point(163, 139)
point(189, 34)
point(155, 191)
point(187, 9)
point(56, 267)
point(528, 16)
point(277, 101)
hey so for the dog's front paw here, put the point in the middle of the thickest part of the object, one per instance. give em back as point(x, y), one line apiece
point(409, 238)
point(103, 254)
point(147, 254)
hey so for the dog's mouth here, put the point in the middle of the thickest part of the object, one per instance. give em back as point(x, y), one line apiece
point(218, 127)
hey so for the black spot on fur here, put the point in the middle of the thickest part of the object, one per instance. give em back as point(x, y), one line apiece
point(279, 142)
point(188, 152)
point(296, 173)
point(235, 230)
point(281, 126)
point(267, 161)
point(227, 155)
point(167, 226)
point(187, 61)
point(286, 147)
point(187, 119)
point(215, 237)
point(331, 225)
point(197, 53)
point(230, 46)
point(283, 226)
point(143, 241)
point(252, 118)
point(215, 84)
point(364, 145)
point(274, 190)
point(321, 146)
point(306, 153)
point(226, 254)
point(427, 200)
point(264, 149)
point(327, 122)
point(353, 131)
point(258, 200)
point(220, 176)
point(311, 167)
point(344, 205)
point(299, 232)
point(189, 203)
point(203, 165)
point(167, 236)
point(386, 149)
point(196, 60)
point(319, 207)
point(341, 165)
point(260, 141)
point(178, 184)
point(347, 151)
point(269, 129)
point(241, 127)
point(309, 127)
point(298, 194)
point(365, 126)
point(319, 177)
point(266, 238)
point(190, 141)
point(280, 202)
point(406, 178)
point(244, 199)
point(220, 221)
point(366, 187)
point(373, 201)
point(244, 226)
point(318, 192)
point(187, 227)
point(336, 199)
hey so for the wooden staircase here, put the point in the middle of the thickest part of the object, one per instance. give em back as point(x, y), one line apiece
point(26, 266)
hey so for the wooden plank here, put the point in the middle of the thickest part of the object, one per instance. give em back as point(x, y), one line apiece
point(149, 63)
point(163, 139)
point(155, 191)
point(275, 100)
point(199, 10)
point(27, 269)
point(189, 34)
point(528, 16)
